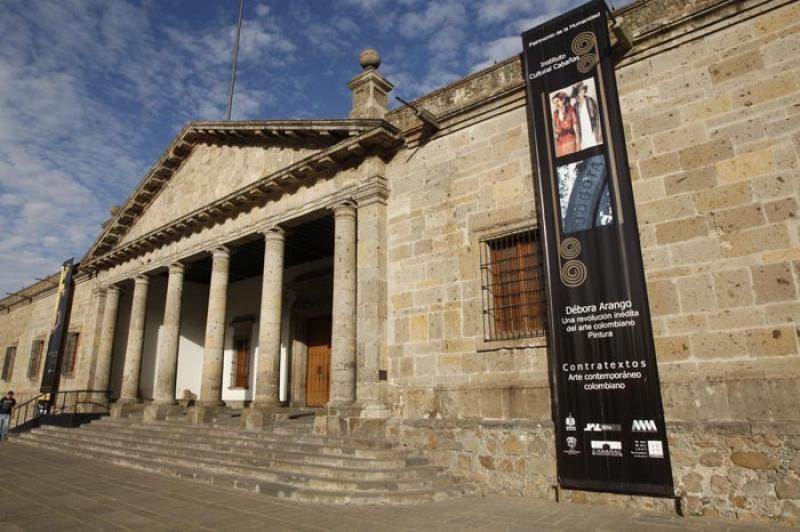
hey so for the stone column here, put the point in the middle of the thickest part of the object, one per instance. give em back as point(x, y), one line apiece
point(167, 354)
point(269, 332)
point(211, 385)
point(102, 373)
point(372, 305)
point(133, 351)
point(86, 364)
point(343, 341)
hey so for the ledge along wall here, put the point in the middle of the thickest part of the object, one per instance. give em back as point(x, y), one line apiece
point(709, 97)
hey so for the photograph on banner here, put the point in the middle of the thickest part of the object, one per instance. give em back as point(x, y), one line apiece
point(576, 118)
point(583, 193)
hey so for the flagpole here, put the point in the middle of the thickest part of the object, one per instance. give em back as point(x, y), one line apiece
point(235, 57)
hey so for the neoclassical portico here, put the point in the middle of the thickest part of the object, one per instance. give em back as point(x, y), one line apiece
point(173, 264)
point(347, 374)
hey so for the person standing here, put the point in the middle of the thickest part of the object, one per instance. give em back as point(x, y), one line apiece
point(588, 123)
point(564, 125)
point(7, 405)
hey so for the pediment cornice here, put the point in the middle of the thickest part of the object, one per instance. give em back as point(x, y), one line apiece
point(352, 141)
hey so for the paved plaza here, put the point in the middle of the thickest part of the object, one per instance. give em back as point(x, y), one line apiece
point(48, 490)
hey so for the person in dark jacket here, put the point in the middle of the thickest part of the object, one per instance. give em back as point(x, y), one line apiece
point(587, 125)
point(7, 405)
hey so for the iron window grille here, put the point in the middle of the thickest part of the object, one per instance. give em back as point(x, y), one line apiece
point(70, 354)
point(8, 362)
point(513, 287)
point(37, 347)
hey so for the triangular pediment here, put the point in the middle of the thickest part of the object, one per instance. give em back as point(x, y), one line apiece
point(211, 166)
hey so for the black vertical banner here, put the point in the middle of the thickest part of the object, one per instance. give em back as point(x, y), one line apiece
point(58, 333)
point(610, 420)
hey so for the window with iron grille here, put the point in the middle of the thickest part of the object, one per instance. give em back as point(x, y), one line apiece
point(37, 347)
point(8, 362)
point(70, 354)
point(512, 281)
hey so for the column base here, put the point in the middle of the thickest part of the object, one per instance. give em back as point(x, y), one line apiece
point(260, 415)
point(351, 420)
point(160, 411)
point(204, 413)
point(125, 409)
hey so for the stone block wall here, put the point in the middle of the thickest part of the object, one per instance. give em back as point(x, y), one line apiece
point(710, 105)
point(713, 126)
point(445, 196)
point(734, 470)
point(31, 321)
point(713, 129)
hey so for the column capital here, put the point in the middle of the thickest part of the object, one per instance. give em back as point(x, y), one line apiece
point(176, 267)
point(112, 288)
point(375, 191)
point(345, 208)
point(221, 251)
point(274, 233)
point(141, 279)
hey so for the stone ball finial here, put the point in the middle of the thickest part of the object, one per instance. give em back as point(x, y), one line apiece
point(370, 58)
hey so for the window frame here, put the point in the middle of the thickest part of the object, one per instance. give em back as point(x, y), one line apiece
point(33, 372)
point(69, 372)
point(7, 371)
point(523, 322)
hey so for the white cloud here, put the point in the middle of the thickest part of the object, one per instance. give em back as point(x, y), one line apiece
point(437, 16)
point(497, 50)
point(503, 11)
point(91, 91)
point(499, 10)
point(86, 88)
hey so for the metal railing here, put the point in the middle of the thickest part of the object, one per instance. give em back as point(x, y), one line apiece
point(62, 402)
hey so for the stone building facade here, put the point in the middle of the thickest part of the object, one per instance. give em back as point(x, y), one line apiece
point(256, 258)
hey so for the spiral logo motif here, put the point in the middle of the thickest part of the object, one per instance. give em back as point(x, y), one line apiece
point(570, 248)
point(573, 273)
point(587, 62)
point(584, 45)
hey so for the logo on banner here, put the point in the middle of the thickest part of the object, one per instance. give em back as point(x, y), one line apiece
point(648, 449)
point(572, 443)
point(573, 271)
point(602, 427)
point(584, 45)
point(570, 422)
point(655, 449)
point(606, 448)
point(644, 425)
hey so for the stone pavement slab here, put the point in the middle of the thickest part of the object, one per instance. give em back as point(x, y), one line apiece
point(49, 490)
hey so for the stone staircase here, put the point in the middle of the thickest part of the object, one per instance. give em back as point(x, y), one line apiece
point(284, 460)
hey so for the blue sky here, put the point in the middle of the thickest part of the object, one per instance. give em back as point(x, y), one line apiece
point(92, 91)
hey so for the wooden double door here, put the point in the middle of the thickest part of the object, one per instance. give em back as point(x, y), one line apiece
point(318, 371)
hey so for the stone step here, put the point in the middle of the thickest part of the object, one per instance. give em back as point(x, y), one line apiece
point(253, 453)
point(357, 468)
point(231, 466)
point(263, 434)
point(238, 440)
point(263, 486)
